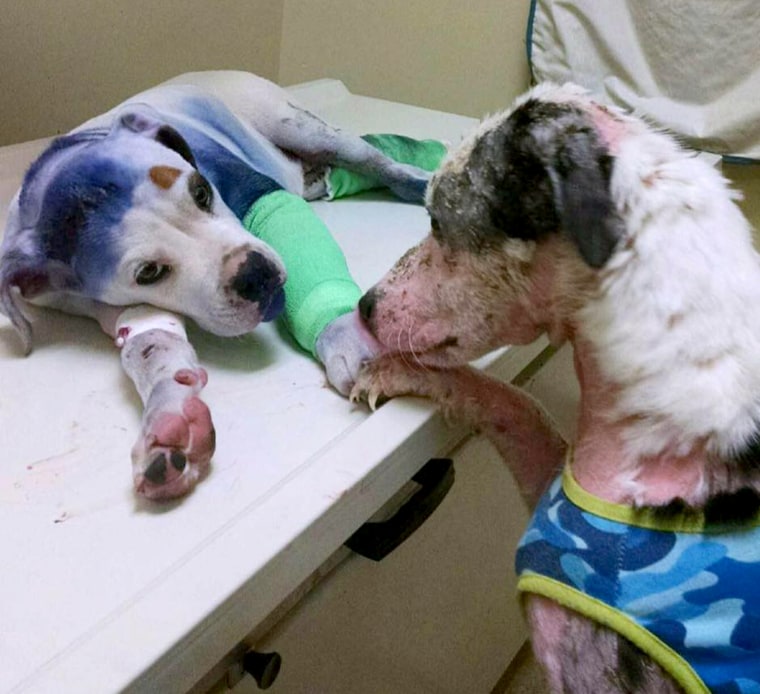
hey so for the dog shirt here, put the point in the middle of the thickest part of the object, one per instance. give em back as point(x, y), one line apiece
point(685, 592)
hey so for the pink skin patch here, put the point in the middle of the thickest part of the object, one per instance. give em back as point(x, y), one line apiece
point(188, 377)
point(121, 336)
point(611, 127)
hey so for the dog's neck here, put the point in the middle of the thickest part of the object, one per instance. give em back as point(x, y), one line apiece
point(616, 459)
point(668, 340)
point(606, 461)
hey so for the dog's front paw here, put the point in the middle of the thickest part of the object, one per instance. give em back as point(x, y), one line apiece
point(368, 386)
point(342, 347)
point(177, 440)
point(388, 377)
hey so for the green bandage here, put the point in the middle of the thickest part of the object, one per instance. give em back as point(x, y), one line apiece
point(319, 287)
point(424, 154)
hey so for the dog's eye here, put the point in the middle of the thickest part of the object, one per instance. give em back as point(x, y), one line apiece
point(200, 191)
point(150, 273)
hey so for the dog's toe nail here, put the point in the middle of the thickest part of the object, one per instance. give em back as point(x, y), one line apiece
point(356, 394)
point(178, 460)
point(156, 471)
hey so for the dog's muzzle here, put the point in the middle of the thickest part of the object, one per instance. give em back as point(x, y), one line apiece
point(259, 280)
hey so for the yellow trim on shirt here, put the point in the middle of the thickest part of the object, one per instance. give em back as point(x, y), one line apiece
point(601, 613)
point(686, 522)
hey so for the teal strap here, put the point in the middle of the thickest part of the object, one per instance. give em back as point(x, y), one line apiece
point(424, 154)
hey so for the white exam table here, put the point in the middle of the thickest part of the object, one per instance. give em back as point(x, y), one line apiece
point(103, 592)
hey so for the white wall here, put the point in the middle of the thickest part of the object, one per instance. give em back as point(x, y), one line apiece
point(465, 57)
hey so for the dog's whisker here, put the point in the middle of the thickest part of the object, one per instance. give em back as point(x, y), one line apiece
point(399, 349)
point(407, 332)
point(412, 350)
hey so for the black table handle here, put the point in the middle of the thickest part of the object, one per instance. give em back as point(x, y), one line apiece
point(376, 540)
point(264, 667)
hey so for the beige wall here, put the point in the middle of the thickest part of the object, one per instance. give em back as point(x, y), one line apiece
point(63, 61)
point(464, 57)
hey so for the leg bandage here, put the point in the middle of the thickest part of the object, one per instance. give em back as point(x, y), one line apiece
point(319, 287)
point(424, 154)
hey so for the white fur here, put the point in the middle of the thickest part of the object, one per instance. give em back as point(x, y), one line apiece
point(666, 336)
point(677, 320)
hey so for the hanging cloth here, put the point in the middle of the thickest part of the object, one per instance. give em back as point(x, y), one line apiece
point(689, 66)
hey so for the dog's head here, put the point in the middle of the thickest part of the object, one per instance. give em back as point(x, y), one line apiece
point(125, 217)
point(566, 217)
point(529, 187)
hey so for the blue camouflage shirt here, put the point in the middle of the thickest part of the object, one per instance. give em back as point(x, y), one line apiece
point(685, 592)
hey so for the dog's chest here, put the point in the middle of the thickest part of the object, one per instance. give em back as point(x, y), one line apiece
point(687, 589)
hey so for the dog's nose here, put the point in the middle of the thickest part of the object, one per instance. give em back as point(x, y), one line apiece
point(367, 305)
point(257, 279)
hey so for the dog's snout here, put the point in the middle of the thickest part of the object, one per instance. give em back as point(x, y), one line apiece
point(367, 305)
point(258, 279)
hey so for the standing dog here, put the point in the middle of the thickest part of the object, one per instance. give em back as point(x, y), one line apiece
point(640, 569)
point(142, 207)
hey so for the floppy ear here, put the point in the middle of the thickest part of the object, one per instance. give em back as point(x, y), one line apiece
point(150, 126)
point(579, 176)
point(23, 276)
point(26, 273)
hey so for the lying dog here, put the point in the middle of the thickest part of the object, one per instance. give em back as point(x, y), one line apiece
point(142, 207)
point(640, 568)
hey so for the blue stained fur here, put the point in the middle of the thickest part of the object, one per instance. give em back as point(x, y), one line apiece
point(76, 193)
point(238, 184)
point(214, 119)
point(79, 215)
point(235, 159)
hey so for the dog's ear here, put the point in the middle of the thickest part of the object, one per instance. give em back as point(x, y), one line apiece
point(149, 126)
point(579, 175)
point(23, 276)
point(26, 273)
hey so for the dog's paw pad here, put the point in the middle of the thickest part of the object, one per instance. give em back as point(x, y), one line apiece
point(176, 443)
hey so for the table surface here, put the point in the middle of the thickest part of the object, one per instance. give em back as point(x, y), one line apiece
point(106, 592)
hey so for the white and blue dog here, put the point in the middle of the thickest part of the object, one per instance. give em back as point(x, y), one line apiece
point(142, 207)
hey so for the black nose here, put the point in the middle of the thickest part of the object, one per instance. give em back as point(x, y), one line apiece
point(257, 278)
point(367, 305)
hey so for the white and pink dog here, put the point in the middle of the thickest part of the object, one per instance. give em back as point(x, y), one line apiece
point(567, 218)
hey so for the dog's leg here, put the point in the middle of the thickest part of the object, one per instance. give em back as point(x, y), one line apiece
point(513, 421)
point(274, 113)
point(177, 439)
point(579, 655)
point(316, 142)
point(319, 144)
